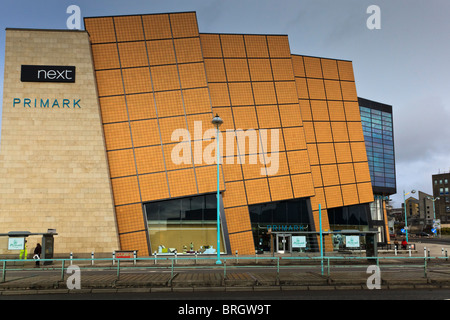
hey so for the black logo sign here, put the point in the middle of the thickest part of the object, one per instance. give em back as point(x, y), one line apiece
point(47, 73)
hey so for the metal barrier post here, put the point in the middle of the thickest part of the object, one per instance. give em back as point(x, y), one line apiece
point(118, 269)
point(71, 257)
point(62, 270)
point(155, 256)
point(113, 258)
point(92, 258)
point(4, 271)
point(425, 267)
point(225, 269)
point(134, 257)
point(237, 257)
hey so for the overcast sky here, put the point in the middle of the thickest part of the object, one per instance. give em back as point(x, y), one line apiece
point(405, 64)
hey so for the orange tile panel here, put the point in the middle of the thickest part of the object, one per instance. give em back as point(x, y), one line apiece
point(161, 52)
point(278, 46)
point(286, 92)
point(137, 80)
point(169, 125)
point(330, 175)
point(290, 115)
point(349, 91)
point(169, 103)
point(352, 112)
point(238, 219)
point(302, 185)
point(211, 45)
point(184, 24)
point(350, 194)
point(141, 106)
point(330, 69)
point(233, 46)
point(305, 109)
point(253, 167)
point(109, 82)
point(333, 90)
point(182, 183)
point(298, 66)
point(298, 161)
point(241, 94)
point(260, 70)
point(362, 172)
point(242, 243)
point(257, 191)
point(101, 30)
point(235, 194)
point(237, 70)
point(336, 110)
point(125, 190)
point(355, 131)
point(149, 159)
point(280, 188)
point(316, 89)
point(317, 176)
point(264, 93)
point(346, 173)
point(165, 78)
point(133, 54)
point(113, 109)
point(256, 46)
point(121, 163)
point(346, 70)
point(105, 56)
point(340, 133)
point(365, 192)
point(145, 133)
point(156, 26)
point(129, 28)
point(192, 75)
point(294, 138)
point(245, 118)
point(232, 169)
point(326, 153)
point(188, 50)
point(207, 179)
point(343, 152)
point(117, 136)
point(154, 186)
point(282, 69)
point(219, 94)
point(323, 131)
point(130, 218)
point(313, 67)
point(358, 151)
point(302, 88)
point(319, 110)
point(215, 70)
point(319, 198)
point(199, 124)
point(178, 156)
point(268, 116)
point(135, 241)
point(197, 100)
point(334, 197)
point(313, 155)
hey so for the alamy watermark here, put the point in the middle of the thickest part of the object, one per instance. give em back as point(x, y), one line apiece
point(251, 142)
point(374, 21)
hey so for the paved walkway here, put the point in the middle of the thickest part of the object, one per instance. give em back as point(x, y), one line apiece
point(397, 272)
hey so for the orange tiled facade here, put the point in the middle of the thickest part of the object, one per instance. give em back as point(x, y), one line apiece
point(156, 74)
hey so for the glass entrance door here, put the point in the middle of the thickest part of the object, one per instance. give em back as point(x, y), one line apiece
point(284, 243)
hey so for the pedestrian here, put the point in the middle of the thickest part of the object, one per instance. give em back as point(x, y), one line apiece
point(404, 244)
point(37, 254)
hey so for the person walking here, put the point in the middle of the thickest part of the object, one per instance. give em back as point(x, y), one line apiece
point(37, 254)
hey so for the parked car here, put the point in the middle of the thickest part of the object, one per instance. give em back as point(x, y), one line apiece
point(422, 234)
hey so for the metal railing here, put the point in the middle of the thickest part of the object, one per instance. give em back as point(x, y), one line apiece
point(174, 262)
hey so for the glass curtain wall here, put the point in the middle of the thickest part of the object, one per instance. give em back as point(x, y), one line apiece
point(184, 225)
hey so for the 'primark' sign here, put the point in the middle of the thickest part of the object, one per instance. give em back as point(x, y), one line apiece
point(30, 73)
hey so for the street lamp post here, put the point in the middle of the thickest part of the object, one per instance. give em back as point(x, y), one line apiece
point(406, 219)
point(434, 208)
point(217, 121)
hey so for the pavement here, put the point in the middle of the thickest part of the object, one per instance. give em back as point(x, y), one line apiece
point(396, 272)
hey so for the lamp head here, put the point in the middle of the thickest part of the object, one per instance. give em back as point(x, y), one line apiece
point(217, 121)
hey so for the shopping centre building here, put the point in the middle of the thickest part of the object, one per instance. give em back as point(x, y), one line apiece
point(107, 138)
